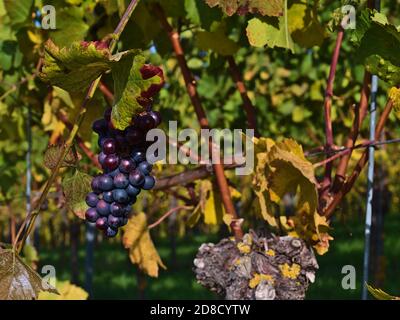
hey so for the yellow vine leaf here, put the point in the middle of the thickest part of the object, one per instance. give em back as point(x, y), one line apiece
point(323, 237)
point(211, 204)
point(67, 290)
point(142, 252)
point(281, 169)
point(394, 95)
point(380, 294)
point(291, 272)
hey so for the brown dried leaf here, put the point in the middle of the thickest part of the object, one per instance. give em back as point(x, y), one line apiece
point(17, 280)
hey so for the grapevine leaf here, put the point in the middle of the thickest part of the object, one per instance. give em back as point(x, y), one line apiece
point(67, 291)
point(199, 13)
point(18, 11)
point(304, 26)
point(216, 41)
point(75, 67)
point(53, 152)
point(269, 31)
point(380, 294)
point(18, 281)
point(129, 85)
point(70, 26)
point(273, 8)
point(265, 8)
point(212, 207)
point(142, 252)
point(378, 44)
point(282, 169)
point(394, 95)
point(75, 189)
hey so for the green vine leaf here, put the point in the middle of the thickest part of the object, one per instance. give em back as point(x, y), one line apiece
point(269, 31)
point(75, 188)
point(18, 281)
point(130, 84)
point(216, 41)
point(378, 44)
point(71, 26)
point(73, 68)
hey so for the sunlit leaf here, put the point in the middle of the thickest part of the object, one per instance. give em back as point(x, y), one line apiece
point(142, 252)
point(67, 291)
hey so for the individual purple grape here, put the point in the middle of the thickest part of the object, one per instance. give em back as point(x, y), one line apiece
point(91, 199)
point(102, 156)
point(95, 184)
point(133, 136)
point(132, 191)
point(91, 215)
point(101, 223)
point(107, 114)
point(126, 165)
point(100, 126)
point(156, 116)
point(136, 178)
point(121, 181)
point(103, 208)
point(120, 195)
point(111, 232)
point(107, 196)
point(111, 162)
point(149, 183)
point(101, 141)
point(138, 156)
point(109, 146)
point(147, 122)
point(113, 221)
point(145, 167)
point(114, 172)
point(116, 209)
point(106, 182)
point(127, 210)
point(120, 141)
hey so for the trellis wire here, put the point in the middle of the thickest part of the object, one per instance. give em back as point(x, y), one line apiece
point(359, 146)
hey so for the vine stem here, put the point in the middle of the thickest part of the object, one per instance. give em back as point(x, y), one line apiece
point(326, 183)
point(168, 213)
point(248, 106)
point(202, 118)
point(360, 113)
point(89, 153)
point(328, 212)
point(78, 122)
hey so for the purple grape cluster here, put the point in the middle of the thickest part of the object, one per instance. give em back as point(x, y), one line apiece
point(125, 171)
